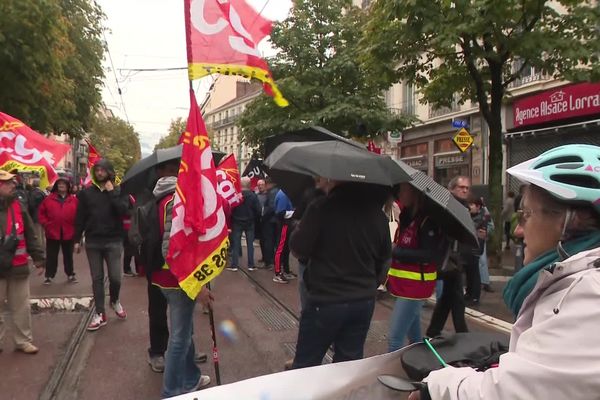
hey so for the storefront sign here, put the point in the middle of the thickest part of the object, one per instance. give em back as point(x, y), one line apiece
point(556, 104)
point(394, 137)
point(450, 160)
point(416, 162)
point(463, 140)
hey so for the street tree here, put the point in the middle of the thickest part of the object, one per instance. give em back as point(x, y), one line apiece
point(176, 128)
point(318, 71)
point(117, 141)
point(474, 49)
point(50, 63)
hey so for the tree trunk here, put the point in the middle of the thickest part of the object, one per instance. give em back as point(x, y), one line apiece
point(494, 120)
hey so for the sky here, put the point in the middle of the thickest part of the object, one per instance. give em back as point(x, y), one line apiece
point(150, 34)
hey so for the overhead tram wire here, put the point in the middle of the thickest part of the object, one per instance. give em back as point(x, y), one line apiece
point(112, 65)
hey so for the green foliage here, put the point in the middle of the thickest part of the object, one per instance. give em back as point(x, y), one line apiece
point(116, 141)
point(176, 128)
point(50, 63)
point(470, 48)
point(318, 72)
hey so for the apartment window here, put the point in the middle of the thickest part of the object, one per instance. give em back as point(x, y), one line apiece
point(408, 99)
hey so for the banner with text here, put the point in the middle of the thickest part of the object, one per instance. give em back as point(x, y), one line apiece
point(23, 149)
point(561, 103)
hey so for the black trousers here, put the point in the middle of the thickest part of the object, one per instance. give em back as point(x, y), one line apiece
point(268, 235)
point(473, 279)
point(452, 300)
point(157, 318)
point(52, 249)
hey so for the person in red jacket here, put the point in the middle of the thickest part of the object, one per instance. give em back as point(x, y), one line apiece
point(57, 216)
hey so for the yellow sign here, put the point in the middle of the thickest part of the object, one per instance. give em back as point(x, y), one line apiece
point(463, 140)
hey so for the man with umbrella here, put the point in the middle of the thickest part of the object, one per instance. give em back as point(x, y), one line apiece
point(452, 299)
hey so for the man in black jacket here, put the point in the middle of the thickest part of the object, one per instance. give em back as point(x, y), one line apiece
point(99, 216)
point(268, 223)
point(345, 238)
point(243, 217)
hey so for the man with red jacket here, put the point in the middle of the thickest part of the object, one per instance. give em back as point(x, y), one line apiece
point(57, 216)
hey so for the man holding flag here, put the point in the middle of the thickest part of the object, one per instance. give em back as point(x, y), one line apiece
point(194, 232)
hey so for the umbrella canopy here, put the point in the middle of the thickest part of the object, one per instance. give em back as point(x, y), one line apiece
point(293, 165)
point(442, 207)
point(310, 134)
point(142, 175)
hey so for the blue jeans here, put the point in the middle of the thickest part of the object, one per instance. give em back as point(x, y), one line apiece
point(484, 272)
point(345, 325)
point(236, 242)
point(405, 320)
point(181, 372)
point(301, 285)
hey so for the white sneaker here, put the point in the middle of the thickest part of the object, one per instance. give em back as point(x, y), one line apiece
point(98, 320)
point(119, 310)
point(202, 382)
point(382, 288)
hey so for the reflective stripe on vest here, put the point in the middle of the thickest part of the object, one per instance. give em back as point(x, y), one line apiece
point(415, 276)
point(410, 280)
point(21, 255)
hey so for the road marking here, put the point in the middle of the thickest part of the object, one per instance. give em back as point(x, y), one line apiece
point(61, 303)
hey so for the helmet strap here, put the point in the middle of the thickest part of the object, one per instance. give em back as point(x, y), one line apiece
point(559, 247)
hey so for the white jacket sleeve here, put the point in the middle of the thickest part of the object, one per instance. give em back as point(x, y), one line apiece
point(557, 358)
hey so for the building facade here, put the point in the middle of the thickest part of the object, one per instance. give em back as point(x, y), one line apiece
point(221, 114)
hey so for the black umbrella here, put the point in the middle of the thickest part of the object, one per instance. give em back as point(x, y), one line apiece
point(442, 207)
point(142, 175)
point(293, 164)
point(309, 134)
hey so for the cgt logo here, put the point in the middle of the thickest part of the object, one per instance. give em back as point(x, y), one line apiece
point(593, 169)
point(16, 145)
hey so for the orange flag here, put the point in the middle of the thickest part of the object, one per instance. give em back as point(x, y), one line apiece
point(198, 242)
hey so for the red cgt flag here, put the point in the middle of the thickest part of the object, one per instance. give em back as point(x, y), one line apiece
point(228, 179)
point(222, 38)
point(198, 243)
point(24, 149)
point(93, 156)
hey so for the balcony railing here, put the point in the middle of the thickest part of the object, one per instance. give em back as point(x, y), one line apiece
point(224, 121)
point(528, 79)
point(439, 111)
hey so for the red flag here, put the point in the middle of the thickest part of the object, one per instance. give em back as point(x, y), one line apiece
point(198, 245)
point(93, 156)
point(24, 149)
point(222, 38)
point(372, 147)
point(228, 179)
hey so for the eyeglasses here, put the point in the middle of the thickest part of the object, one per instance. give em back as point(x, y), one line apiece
point(525, 213)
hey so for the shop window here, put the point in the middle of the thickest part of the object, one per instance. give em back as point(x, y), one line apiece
point(414, 150)
point(444, 146)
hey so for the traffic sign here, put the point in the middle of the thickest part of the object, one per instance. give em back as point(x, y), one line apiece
point(463, 140)
point(459, 123)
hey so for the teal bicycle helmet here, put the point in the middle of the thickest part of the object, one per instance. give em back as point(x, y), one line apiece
point(570, 173)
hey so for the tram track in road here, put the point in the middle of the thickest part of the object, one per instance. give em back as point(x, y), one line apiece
point(262, 289)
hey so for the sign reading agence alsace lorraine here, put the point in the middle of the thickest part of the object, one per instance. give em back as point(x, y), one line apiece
point(560, 103)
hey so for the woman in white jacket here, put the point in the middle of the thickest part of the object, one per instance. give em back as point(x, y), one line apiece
point(554, 348)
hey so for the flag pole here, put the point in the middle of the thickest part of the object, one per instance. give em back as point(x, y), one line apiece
point(214, 340)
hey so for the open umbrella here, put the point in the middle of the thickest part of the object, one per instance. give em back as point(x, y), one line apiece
point(309, 134)
point(442, 207)
point(142, 175)
point(293, 165)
